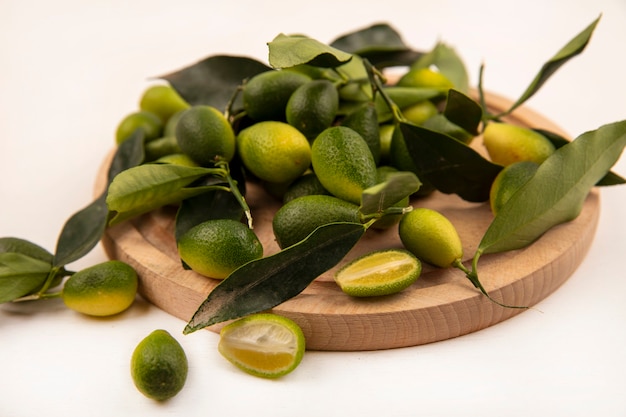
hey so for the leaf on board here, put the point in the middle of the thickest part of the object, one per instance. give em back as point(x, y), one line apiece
point(286, 51)
point(380, 43)
point(213, 81)
point(557, 191)
point(147, 187)
point(448, 164)
point(396, 187)
point(267, 282)
point(463, 111)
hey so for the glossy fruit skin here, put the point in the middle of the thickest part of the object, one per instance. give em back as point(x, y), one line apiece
point(103, 289)
point(265, 95)
point(159, 366)
point(431, 237)
point(205, 134)
point(508, 181)
point(379, 283)
point(215, 248)
point(149, 123)
point(312, 107)
point(163, 101)
point(274, 151)
point(507, 143)
point(264, 345)
point(298, 218)
point(343, 163)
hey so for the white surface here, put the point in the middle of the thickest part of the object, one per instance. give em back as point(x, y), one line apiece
point(70, 70)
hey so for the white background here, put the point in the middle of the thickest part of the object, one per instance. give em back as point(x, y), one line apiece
point(70, 70)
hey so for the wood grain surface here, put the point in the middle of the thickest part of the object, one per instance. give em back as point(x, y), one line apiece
point(442, 304)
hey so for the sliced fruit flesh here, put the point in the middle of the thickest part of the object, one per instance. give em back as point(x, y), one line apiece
point(377, 269)
point(266, 346)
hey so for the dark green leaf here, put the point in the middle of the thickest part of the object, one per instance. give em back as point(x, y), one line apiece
point(20, 275)
point(25, 247)
point(557, 191)
point(573, 48)
point(289, 51)
point(265, 283)
point(448, 63)
point(214, 80)
point(381, 44)
point(384, 195)
point(82, 231)
point(147, 187)
point(129, 153)
point(379, 36)
point(448, 164)
point(463, 111)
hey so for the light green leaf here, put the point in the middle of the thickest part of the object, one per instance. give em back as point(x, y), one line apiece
point(289, 51)
point(384, 195)
point(557, 191)
point(147, 187)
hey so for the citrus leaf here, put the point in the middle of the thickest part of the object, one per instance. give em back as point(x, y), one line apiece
point(84, 229)
point(129, 153)
point(381, 44)
point(384, 195)
point(557, 191)
point(287, 51)
point(25, 247)
point(449, 63)
point(214, 80)
point(147, 187)
point(570, 50)
point(81, 232)
point(463, 111)
point(267, 282)
point(21, 275)
point(448, 164)
point(611, 178)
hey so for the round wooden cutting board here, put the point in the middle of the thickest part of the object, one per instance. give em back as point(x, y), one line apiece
point(442, 304)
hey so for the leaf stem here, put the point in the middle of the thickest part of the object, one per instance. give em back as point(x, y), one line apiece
point(235, 190)
point(472, 275)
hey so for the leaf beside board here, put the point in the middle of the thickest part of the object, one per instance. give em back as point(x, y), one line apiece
point(21, 275)
point(557, 191)
point(267, 282)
